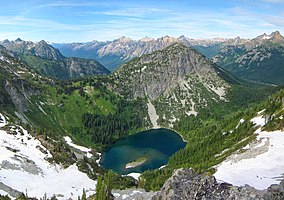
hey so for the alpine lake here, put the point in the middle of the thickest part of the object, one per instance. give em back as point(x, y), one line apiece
point(142, 151)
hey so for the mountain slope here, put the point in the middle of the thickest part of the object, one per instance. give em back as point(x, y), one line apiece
point(48, 61)
point(49, 110)
point(177, 80)
point(260, 59)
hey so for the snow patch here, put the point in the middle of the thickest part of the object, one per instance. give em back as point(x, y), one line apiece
point(134, 175)
point(191, 113)
point(162, 167)
point(143, 68)
point(24, 168)
point(261, 163)
point(81, 148)
point(258, 121)
point(241, 121)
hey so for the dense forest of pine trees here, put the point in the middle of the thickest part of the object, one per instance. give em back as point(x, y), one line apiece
point(105, 129)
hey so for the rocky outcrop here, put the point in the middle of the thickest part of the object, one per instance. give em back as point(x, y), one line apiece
point(275, 192)
point(19, 100)
point(187, 184)
point(12, 192)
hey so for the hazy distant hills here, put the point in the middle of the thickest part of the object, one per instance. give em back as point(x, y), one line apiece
point(48, 61)
point(258, 59)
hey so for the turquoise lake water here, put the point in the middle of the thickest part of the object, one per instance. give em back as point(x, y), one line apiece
point(157, 144)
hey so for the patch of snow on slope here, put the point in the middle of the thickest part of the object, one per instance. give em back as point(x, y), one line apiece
point(134, 175)
point(258, 121)
point(23, 167)
point(241, 121)
point(260, 165)
point(81, 148)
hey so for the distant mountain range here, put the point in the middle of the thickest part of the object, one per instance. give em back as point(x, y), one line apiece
point(258, 59)
point(114, 53)
point(48, 61)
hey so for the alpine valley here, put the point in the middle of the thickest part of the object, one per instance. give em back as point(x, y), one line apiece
point(221, 99)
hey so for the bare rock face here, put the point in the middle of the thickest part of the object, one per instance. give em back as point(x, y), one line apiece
point(187, 184)
point(275, 192)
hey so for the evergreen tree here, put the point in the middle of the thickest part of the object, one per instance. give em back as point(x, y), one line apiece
point(84, 196)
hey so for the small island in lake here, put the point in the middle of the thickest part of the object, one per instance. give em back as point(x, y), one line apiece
point(137, 162)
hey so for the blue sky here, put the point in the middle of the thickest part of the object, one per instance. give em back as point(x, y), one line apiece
point(86, 20)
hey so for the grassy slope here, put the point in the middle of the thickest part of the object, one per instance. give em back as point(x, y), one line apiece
point(66, 103)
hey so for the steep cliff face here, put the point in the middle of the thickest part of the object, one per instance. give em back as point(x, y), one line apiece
point(187, 184)
point(15, 88)
point(48, 61)
point(178, 80)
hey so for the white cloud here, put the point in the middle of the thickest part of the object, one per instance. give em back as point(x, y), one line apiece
point(273, 1)
point(129, 12)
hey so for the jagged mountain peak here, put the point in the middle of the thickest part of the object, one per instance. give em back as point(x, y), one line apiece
point(276, 38)
point(275, 34)
point(43, 42)
point(124, 39)
point(146, 39)
point(183, 37)
point(18, 40)
point(264, 36)
point(167, 39)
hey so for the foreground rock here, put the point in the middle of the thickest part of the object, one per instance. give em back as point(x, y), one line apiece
point(187, 184)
